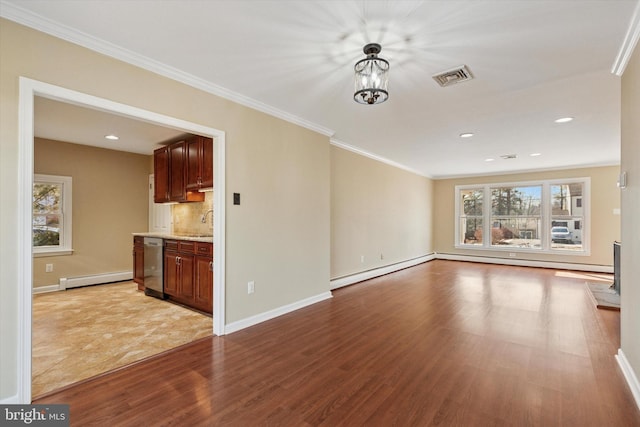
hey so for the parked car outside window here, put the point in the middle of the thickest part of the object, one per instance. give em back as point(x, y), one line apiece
point(560, 235)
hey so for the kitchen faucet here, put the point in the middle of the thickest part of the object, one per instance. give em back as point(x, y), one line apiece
point(204, 217)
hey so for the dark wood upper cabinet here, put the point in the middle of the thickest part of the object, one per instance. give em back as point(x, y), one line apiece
point(170, 174)
point(161, 175)
point(177, 165)
point(199, 163)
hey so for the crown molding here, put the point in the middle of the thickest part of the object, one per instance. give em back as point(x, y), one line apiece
point(40, 23)
point(364, 153)
point(628, 44)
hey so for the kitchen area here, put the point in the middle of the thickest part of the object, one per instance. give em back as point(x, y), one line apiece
point(176, 263)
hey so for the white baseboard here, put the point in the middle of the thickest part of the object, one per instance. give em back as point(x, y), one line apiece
point(528, 263)
point(629, 375)
point(45, 289)
point(370, 274)
point(268, 315)
point(95, 279)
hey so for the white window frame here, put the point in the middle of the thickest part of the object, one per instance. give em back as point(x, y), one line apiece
point(65, 247)
point(546, 216)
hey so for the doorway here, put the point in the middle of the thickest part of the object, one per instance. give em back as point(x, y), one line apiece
point(29, 89)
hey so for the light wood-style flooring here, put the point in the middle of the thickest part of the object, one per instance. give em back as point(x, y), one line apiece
point(443, 343)
point(83, 332)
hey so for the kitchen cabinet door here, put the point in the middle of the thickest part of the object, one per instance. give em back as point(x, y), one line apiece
point(138, 262)
point(199, 164)
point(206, 174)
point(161, 175)
point(171, 272)
point(177, 165)
point(185, 279)
point(203, 297)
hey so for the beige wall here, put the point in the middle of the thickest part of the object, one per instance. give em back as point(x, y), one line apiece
point(278, 237)
point(377, 211)
point(605, 225)
point(110, 201)
point(630, 249)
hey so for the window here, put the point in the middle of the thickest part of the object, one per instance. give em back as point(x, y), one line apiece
point(566, 214)
point(471, 217)
point(543, 216)
point(516, 216)
point(51, 225)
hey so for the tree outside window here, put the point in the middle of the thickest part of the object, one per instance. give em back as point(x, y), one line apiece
point(51, 226)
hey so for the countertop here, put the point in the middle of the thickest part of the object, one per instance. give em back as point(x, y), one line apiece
point(192, 237)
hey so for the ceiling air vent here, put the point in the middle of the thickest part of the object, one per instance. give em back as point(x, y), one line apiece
point(508, 156)
point(453, 76)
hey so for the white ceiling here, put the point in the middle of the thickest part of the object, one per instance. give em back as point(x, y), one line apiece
point(533, 61)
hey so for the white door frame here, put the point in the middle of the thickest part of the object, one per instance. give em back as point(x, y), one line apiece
point(28, 90)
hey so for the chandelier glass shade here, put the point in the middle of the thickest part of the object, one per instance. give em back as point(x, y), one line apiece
point(371, 77)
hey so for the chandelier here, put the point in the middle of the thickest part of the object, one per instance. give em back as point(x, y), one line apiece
point(371, 77)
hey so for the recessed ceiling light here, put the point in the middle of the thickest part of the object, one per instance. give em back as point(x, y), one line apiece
point(489, 160)
point(466, 135)
point(535, 154)
point(564, 120)
point(112, 137)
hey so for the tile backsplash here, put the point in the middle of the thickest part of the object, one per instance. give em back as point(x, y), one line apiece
point(187, 217)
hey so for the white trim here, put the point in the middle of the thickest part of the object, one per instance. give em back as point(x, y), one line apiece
point(25, 17)
point(94, 279)
point(628, 44)
point(28, 89)
point(527, 263)
point(364, 153)
point(629, 375)
point(24, 243)
point(11, 400)
point(46, 289)
point(370, 274)
point(219, 234)
point(276, 312)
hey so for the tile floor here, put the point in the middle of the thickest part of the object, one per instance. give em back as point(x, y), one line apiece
point(83, 332)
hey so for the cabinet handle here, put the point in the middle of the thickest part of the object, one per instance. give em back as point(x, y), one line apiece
point(178, 260)
point(210, 265)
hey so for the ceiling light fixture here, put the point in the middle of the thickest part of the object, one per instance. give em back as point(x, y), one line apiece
point(371, 77)
point(564, 120)
point(535, 154)
point(466, 135)
point(112, 137)
point(489, 160)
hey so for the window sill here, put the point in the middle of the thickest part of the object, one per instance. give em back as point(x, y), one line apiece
point(52, 252)
point(524, 249)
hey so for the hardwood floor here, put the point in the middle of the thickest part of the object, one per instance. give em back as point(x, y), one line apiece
point(443, 343)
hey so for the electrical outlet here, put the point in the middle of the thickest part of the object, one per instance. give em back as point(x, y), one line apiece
point(362, 258)
point(251, 287)
point(512, 254)
point(48, 268)
point(381, 256)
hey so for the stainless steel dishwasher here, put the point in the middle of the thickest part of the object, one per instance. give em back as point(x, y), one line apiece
point(153, 277)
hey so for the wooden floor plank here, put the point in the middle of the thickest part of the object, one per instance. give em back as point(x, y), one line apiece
point(443, 343)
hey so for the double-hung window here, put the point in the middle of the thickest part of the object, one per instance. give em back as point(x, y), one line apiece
point(51, 223)
point(541, 216)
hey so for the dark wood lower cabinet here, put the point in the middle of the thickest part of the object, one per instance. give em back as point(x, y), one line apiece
point(188, 273)
point(138, 261)
point(203, 285)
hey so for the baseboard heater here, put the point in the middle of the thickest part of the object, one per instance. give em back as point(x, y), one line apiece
point(95, 279)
